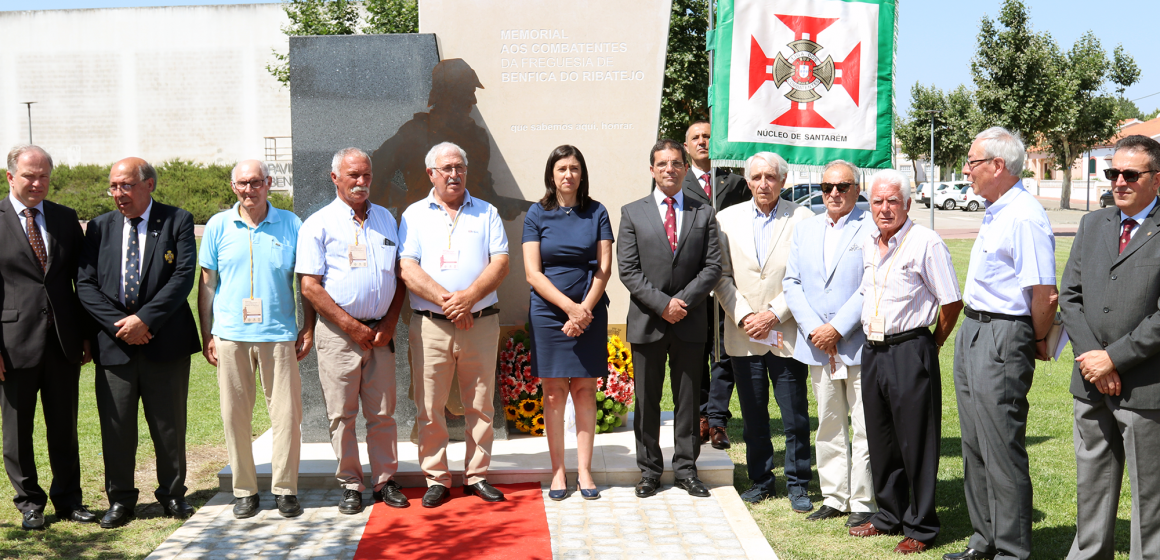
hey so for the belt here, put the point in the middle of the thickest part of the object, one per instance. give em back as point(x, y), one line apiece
point(490, 310)
point(892, 339)
point(369, 322)
point(986, 317)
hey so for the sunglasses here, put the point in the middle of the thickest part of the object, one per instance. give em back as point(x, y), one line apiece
point(1129, 175)
point(842, 187)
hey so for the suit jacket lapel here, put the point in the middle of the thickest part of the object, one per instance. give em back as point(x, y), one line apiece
point(848, 233)
point(16, 230)
point(779, 222)
point(152, 230)
point(692, 187)
point(1111, 235)
point(688, 215)
point(1147, 230)
point(52, 231)
point(652, 216)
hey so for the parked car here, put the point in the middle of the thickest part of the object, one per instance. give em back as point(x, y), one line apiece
point(969, 200)
point(1107, 199)
point(814, 202)
point(940, 189)
point(798, 192)
point(947, 198)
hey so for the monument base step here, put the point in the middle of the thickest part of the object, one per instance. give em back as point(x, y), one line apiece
point(521, 458)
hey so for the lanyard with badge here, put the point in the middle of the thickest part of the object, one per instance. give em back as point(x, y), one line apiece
point(356, 253)
point(449, 260)
point(251, 306)
point(877, 330)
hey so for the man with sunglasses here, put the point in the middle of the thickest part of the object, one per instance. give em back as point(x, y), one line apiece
point(1010, 299)
point(1108, 300)
point(822, 277)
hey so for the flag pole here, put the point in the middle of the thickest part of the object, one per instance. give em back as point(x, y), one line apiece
point(713, 202)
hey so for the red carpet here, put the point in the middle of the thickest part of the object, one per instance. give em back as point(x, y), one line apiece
point(463, 527)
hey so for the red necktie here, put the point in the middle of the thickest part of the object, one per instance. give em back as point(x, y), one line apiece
point(671, 223)
point(1126, 236)
point(37, 242)
point(708, 185)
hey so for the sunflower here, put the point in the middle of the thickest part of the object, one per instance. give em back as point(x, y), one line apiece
point(538, 431)
point(510, 412)
point(528, 408)
point(538, 421)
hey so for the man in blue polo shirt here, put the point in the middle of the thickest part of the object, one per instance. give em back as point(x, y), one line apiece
point(248, 323)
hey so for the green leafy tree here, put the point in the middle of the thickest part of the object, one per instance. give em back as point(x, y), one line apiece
point(955, 125)
point(684, 98)
point(1149, 116)
point(1124, 70)
point(391, 16)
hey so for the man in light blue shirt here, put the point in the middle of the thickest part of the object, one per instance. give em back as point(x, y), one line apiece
point(248, 322)
point(454, 257)
point(346, 259)
point(1010, 299)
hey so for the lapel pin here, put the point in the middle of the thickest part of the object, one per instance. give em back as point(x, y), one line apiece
point(169, 257)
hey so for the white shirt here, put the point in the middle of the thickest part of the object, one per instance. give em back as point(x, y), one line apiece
point(906, 287)
point(39, 219)
point(1015, 250)
point(832, 239)
point(142, 231)
point(476, 234)
point(763, 230)
point(1140, 217)
point(700, 174)
point(663, 207)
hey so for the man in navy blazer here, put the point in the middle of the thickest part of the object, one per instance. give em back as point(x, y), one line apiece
point(136, 272)
point(821, 284)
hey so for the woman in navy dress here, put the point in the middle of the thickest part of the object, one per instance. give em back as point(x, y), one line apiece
point(568, 257)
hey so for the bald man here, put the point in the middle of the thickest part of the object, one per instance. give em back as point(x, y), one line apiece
point(136, 272)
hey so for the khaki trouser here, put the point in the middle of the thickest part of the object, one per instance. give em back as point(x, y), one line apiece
point(441, 352)
point(843, 455)
point(350, 375)
point(277, 365)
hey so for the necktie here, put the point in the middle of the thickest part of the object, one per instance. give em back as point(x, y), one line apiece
point(35, 239)
point(708, 185)
point(133, 267)
point(671, 223)
point(1126, 235)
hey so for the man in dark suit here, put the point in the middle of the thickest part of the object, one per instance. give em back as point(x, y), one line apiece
point(42, 340)
point(136, 273)
point(716, 375)
point(669, 260)
point(1108, 301)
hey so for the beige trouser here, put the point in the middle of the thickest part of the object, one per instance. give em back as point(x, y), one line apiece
point(277, 365)
point(350, 375)
point(441, 353)
point(843, 455)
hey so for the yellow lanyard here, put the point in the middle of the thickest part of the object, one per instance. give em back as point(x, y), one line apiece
point(361, 226)
point(453, 224)
point(889, 267)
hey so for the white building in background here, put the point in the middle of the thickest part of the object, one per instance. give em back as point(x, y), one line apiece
point(160, 83)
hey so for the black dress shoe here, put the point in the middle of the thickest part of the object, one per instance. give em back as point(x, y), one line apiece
point(483, 490)
point(351, 502)
point(718, 438)
point(858, 517)
point(117, 516)
point(177, 508)
point(246, 506)
point(436, 495)
point(824, 512)
point(33, 521)
point(79, 515)
point(693, 486)
point(392, 495)
point(968, 554)
point(647, 486)
point(288, 505)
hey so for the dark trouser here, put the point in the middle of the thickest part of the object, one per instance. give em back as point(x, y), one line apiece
point(56, 380)
point(162, 388)
point(902, 401)
point(684, 378)
point(994, 367)
point(790, 380)
point(716, 376)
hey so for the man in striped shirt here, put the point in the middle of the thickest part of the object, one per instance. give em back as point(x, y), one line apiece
point(908, 282)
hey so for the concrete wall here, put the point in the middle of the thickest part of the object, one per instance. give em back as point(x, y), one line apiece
point(160, 83)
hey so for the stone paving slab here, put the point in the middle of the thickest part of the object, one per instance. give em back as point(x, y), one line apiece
point(670, 525)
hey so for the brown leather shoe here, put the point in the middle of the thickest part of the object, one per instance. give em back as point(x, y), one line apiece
point(704, 430)
point(866, 529)
point(910, 546)
point(718, 438)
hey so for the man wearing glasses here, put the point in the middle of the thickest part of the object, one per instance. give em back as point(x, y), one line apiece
point(1010, 299)
point(135, 275)
point(822, 277)
point(348, 271)
point(454, 256)
point(1108, 299)
point(249, 326)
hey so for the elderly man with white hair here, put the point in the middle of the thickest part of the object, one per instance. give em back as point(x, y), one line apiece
point(908, 282)
point(761, 332)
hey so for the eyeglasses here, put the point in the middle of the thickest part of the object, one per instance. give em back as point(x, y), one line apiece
point(124, 188)
point(1130, 176)
point(842, 187)
point(448, 169)
point(251, 185)
point(973, 163)
point(674, 164)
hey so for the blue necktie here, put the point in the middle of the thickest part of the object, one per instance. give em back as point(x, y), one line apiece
point(133, 268)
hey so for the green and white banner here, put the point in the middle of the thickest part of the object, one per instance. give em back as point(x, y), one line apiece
point(812, 80)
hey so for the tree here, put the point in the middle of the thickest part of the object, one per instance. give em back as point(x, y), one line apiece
point(955, 124)
point(684, 97)
point(391, 16)
point(1124, 70)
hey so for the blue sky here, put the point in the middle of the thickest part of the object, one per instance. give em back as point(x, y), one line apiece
point(936, 38)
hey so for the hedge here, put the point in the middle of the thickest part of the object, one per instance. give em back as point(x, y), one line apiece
point(203, 190)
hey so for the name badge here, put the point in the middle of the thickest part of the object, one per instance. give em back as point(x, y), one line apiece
point(357, 255)
point(772, 339)
point(252, 310)
point(836, 369)
point(877, 329)
point(449, 260)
